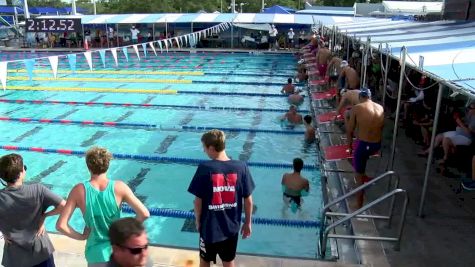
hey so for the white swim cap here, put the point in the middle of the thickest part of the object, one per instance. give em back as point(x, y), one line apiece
point(343, 64)
point(343, 91)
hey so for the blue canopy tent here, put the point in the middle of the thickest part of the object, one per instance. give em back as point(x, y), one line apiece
point(278, 10)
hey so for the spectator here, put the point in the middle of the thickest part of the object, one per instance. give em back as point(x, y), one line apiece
point(462, 136)
point(22, 213)
point(134, 33)
point(99, 200)
point(129, 244)
point(290, 38)
point(220, 186)
point(273, 38)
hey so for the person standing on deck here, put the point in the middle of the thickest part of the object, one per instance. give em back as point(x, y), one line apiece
point(99, 200)
point(368, 118)
point(221, 187)
point(23, 213)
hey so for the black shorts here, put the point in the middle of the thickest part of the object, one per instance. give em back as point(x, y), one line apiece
point(225, 249)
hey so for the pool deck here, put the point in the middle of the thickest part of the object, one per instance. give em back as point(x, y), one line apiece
point(69, 253)
point(444, 236)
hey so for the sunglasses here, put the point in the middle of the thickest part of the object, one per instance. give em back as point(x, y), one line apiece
point(135, 251)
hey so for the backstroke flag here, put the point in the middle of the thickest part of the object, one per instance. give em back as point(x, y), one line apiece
point(30, 65)
point(126, 54)
point(136, 51)
point(3, 74)
point(153, 48)
point(53, 60)
point(144, 46)
point(102, 53)
point(88, 57)
point(72, 62)
point(114, 55)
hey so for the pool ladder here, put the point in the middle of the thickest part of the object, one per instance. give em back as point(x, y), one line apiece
point(390, 194)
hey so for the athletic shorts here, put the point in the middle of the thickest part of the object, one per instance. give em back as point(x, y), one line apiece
point(361, 153)
point(225, 249)
point(458, 139)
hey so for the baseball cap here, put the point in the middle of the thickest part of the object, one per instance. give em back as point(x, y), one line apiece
point(291, 29)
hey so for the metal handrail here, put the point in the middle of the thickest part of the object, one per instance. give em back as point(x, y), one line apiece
point(325, 234)
point(358, 189)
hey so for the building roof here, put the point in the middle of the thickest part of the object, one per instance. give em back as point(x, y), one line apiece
point(414, 8)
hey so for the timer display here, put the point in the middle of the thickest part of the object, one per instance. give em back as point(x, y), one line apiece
point(53, 25)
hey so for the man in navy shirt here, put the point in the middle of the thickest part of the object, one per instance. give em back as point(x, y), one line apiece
point(220, 186)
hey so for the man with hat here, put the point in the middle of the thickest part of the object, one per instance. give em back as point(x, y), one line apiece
point(368, 118)
point(290, 38)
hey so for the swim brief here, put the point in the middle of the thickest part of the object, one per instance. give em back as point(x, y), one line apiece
point(322, 69)
point(361, 153)
point(295, 199)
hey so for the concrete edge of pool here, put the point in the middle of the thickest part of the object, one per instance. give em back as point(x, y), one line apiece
point(70, 253)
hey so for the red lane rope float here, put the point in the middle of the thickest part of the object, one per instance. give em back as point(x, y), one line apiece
point(324, 95)
point(148, 158)
point(341, 152)
point(55, 102)
point(329, 116)
point(85, 122)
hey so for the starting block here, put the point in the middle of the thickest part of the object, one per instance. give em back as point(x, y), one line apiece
point(328, 117)
point(309, 65)
point(324, 95)
point(313, 72)
point(318, 82)
point(338, 152)
point(341, 152)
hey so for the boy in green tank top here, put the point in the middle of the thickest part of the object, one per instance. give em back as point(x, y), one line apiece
point(99, 200)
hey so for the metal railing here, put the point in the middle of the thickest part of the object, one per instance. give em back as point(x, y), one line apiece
point(325, 230)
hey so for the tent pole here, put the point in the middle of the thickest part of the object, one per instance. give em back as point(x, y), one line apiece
point(153, 31)
point(347, 46)
point(107, 36)
point(385, 82)
point(398, 107)
point(365, 61)
point(431, 150)
point(117, 34)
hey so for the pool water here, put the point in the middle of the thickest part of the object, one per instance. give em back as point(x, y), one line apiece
point(203, 99)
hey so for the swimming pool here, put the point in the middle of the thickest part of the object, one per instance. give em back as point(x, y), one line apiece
point(235, 91)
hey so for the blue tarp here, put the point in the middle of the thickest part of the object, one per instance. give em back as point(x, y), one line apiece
point(44, 10)
point(278, 10)
point(10, 10)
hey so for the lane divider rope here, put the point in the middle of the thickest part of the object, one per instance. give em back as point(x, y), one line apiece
point(77, 103)
point(86, 79)
point(146, 125)
point(149, 158)
point(188, 73)
point(182, 214)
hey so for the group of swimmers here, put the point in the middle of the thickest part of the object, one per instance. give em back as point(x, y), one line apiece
point(363, 118)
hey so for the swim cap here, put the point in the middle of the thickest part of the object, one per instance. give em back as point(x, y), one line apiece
point(343, 91)
point(343, 64)
point(365, 92)
point(301, 61)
